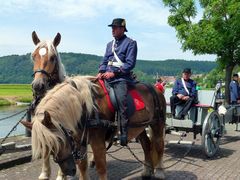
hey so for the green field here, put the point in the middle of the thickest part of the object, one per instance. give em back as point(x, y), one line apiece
point(11, 93)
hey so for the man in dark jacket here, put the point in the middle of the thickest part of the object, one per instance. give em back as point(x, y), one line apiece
point(234, 90)
point(117, 63)
point(183, 93)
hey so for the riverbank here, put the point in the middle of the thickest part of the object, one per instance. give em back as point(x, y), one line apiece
point(12, 94)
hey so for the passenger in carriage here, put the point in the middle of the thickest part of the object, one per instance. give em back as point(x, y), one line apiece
point(183, 93)
point(116, 66)
point(160, 85)
point(234, 90)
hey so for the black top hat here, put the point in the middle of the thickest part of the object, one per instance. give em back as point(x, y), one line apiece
point(187, 70)
point(119, 22)
point(235, 75)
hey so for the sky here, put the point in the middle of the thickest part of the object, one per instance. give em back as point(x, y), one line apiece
point(83, 25)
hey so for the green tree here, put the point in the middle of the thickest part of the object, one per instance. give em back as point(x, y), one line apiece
point(217, 32)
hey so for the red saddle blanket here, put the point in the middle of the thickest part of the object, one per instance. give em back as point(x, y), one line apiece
point(138, 102)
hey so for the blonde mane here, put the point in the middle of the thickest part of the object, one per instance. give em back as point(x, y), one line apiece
point(51, 51)
point(65, 104)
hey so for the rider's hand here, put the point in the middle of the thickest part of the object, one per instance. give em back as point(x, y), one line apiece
point(180, 96)
point(108, 75)
point(185, 98)
point(99, 75)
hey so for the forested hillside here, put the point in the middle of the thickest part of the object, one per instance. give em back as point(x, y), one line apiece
point(18, 69)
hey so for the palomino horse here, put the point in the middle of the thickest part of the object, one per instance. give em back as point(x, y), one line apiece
point(60, 125)
point(48, 68)
point(48, 71)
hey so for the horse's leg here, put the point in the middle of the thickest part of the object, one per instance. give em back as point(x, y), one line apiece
point(91, 159)
point(157, 140)
point(60, 175)
point(146, 145)
point(83, 168)
point(46, 169)
point(97, 141)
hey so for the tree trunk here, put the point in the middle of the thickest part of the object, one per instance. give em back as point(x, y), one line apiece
point(229, 69)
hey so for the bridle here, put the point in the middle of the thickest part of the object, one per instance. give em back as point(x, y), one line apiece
point(69, 137)
point(77, 153)
point(51, 77)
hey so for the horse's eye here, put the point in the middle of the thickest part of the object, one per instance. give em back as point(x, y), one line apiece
point(52, 59)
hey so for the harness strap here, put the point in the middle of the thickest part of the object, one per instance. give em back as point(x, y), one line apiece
point(137, 125)
point(119, 62)
point(184, 85)
point(41, 71)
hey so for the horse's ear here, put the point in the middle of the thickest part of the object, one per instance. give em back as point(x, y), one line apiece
point(57, 40)
point(35, 38)
point(47, 119)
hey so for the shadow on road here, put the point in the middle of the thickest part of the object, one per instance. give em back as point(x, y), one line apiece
point(229, 139)
point(195, 151)
point(123, 169)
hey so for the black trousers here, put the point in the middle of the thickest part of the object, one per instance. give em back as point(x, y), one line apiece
point(174, 101)
point(120, 89)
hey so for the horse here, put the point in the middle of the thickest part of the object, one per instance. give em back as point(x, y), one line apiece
point(48, 71)
point(48, 68)
point(61, 118)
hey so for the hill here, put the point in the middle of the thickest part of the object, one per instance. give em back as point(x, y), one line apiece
point(18, 68)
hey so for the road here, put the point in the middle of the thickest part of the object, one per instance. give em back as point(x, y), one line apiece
point(181, 162)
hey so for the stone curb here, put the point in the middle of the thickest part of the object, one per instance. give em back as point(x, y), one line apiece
point(20, 158)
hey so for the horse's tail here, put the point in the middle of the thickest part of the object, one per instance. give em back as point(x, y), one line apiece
point(44, 142)
point(157, 131)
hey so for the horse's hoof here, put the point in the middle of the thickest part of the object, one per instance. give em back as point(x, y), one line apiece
point(92, 164)
point(43, 176)
point(159, 174)
point(71, 177)
point(147, 173)
point(60, 178)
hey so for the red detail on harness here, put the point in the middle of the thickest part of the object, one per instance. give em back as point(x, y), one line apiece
point(139, 104)
point(107, 95)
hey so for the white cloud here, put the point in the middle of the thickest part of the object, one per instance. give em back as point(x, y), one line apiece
point(143, 11)
point(146, 22)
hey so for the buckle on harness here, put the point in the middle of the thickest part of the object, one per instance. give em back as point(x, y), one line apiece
point(110, 63)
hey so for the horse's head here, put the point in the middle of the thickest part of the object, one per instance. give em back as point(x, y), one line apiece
point(48, 69)
point(49, 137)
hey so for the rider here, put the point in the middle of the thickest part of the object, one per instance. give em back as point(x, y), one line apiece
point(184, 92)
point(234, 90)
point(117, 63)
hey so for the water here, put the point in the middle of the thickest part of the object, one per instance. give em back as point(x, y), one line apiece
point(7, 124)
point(205, 97)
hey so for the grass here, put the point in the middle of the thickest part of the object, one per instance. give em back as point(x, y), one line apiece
point(11, 93)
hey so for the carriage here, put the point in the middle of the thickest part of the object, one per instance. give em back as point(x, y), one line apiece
point(207, 118)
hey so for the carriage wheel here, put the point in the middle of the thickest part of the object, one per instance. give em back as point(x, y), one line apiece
point(211, 133)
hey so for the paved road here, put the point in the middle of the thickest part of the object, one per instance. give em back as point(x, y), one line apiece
point(226, 165)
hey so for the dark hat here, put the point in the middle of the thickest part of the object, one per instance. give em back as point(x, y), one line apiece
point(187, 70)
point(119, 22)
point(235, 75)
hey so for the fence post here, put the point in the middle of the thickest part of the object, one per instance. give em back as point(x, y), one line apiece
point(28, 118)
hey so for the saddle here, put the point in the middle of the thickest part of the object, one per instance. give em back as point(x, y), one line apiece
point(134, 100)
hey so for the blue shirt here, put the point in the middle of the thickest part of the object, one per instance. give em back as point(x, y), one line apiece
point(178, 88)
point(234, 91)
point(126, 50)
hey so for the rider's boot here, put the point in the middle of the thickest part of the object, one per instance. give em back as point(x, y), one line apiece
point(124, 133)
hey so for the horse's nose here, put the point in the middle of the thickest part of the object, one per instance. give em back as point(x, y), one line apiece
point(38, 87)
